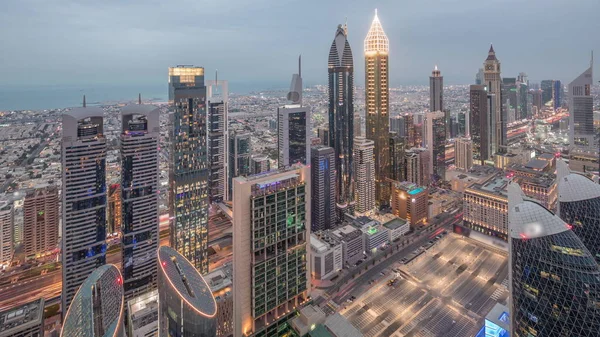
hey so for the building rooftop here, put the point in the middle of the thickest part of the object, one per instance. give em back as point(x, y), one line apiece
point(546, 156)
point(494, 185)
point(347, 232)
point(410, 188)
point(340, 327)
point(573, 186)
point(537, 164)
point(219, 279)
point(14, 319)
point(499, 315)
point(395, 223)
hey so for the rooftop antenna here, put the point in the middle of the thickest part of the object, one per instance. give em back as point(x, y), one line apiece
point(592, 60)
point(216, 76)
point(140, 98)
point(300, 65)
point(84, 101)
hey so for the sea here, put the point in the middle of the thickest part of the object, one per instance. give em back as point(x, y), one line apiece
point(46, 97)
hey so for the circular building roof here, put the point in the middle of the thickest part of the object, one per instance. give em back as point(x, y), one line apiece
point(187, 281)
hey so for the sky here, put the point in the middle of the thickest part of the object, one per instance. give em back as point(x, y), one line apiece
point(256, 42)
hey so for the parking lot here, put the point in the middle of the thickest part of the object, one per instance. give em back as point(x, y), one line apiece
point(446, 290)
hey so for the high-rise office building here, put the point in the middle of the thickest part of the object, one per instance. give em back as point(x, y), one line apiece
point(25, 320)
point(537, 100)
point(557, 93)
point(271, 227)
point(260, 164)
point(546, 87)
point(493, 82)
point(554, 280)
point(479, 77)
point(341, 117)
point(83, 197)
point(436, 90)
point(463, 149)
point(140, 134)
point(581, 112)
point(186, 306)
point(40, 221)
point(323, 134)
point(479, 123)
point(410, 202)
point(98, 307)
point(435, 140)
point(240, 153)
point(293, 142)
point(524, 98)
point(397, 147)
point(189, 165)
point(114, 210)
point(377, 106)
point(416, 164)
point(217, 96)
point(364, 167)
point(7, 224)
point(409, 131)
point(510, 98)
point(397, 125)
point(578, 205)
point(322, 173)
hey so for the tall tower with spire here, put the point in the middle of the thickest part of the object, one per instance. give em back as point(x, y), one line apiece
point(493, 81)
point(436, 90)
point(377, 105)
point(581, 112)
point(341, 117)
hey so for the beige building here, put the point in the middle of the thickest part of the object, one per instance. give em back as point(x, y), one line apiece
point(40, 221)
point(364, 171)
point(463, 149)
point(410, 202)
point(221, 286)
point(536, 184)
point(485, 207)
point(7, 220)
point(417, 166)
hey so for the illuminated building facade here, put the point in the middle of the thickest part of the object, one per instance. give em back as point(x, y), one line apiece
point(240, 153)
point(114, 209)
point(479, 123)
point(410, 202)
point(186, 305)
point(485, 207)
point(140, 133)
point(83, 197)
point(189, 165)
point(397, 147)
point(341, 117)
point(535, 184)
point(218, 110)
point(493, 82)
point(436, 90)
point(377, 106)
point(40, 221)
point(97, 308)
point(463, 148)
point(554, 280)
point(271, 230)
point(416, 164)
point(435, 137)
point(364, 168)
point(7, 224)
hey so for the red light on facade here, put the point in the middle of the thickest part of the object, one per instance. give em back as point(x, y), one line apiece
point(569, 226)
point(164, 263)
point(557, 154)
point(118, 280)
point(523, 236)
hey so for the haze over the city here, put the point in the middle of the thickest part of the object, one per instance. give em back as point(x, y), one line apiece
point(256, 42)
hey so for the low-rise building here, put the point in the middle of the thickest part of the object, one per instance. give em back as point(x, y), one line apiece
point(326, 255)
point(26, 320)
point(353, 243)
point(485, 207)
point(142, 315)
point(221, 284)
point(538, 185)
point(308, 318)
point(410, 202)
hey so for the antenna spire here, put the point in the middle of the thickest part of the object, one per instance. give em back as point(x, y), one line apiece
point(140, 98)
point(300, 65)
point(84, 101)
point(592, 60)
point(216, 76)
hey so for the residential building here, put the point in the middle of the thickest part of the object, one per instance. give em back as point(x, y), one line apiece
point(140, 133)
point(463, 148)
point(364, 168)
point(485, 207)
point(40, 221)
point(416, 164)
point(341, 117)
point(436, 90)
point(554, 280)
point(97, 309)
point(377, 106)
point(114, 215)
point(7, 223)
point(189, 165)
point(409, 202)
point(217, 96)
point(326, 255)
point(220, 283)
point(435, 141)
point(83, 197)
point(26, 320)
point(322, 171)
point(142, 315)
point(272, 272)
point(186, 306)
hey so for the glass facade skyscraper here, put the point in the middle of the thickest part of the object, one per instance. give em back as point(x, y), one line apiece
point(554, 280)
point(240, 153)
point(479, 123)
point(189, 165)
point(322, 171)
point(341, 117)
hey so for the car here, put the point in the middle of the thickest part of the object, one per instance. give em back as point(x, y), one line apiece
point(430, 241)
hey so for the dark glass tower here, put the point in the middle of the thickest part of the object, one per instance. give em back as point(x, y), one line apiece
point(579, 206)
point(189, 165)
point(322, 171)
point(479, 122)
point(341, 117)
point(555, 281)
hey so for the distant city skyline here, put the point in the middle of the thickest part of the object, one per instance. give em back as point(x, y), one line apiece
point(132, 43)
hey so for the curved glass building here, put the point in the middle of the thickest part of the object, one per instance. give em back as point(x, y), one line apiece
point(554, 280)
point(97, 308)
point(186, 306)
point(579, 206)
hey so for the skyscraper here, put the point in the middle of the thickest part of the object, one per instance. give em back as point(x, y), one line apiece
point(83, 197)
point(557, 94)
point(271, 271)
point(537, 98)
point(240, 152)
point(581, 112)
point(493, 82)
point(217, 94)
point(322, 173)
point(364, 167)
point(409, 131)
point(140, 133)
point(416, 164)
point(524, 97)
point(436, 90)
point(397, 125)
point(479, 77)
point(114, 209)
point(98, 307)
point(187, 307)
point(479, 122)
point(435, 138)
point(294, 129)
point(259, 165)
point(40, 221)
point(341, 117)
point(554, 280)
point(546, 87)
point(189, 165)
point(397, 147)
point(578, 205)
point(377, 106)
point(7, 224)
point(463, 147)
point(510, 98)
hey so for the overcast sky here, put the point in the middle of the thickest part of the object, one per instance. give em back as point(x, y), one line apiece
point(134, 41)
